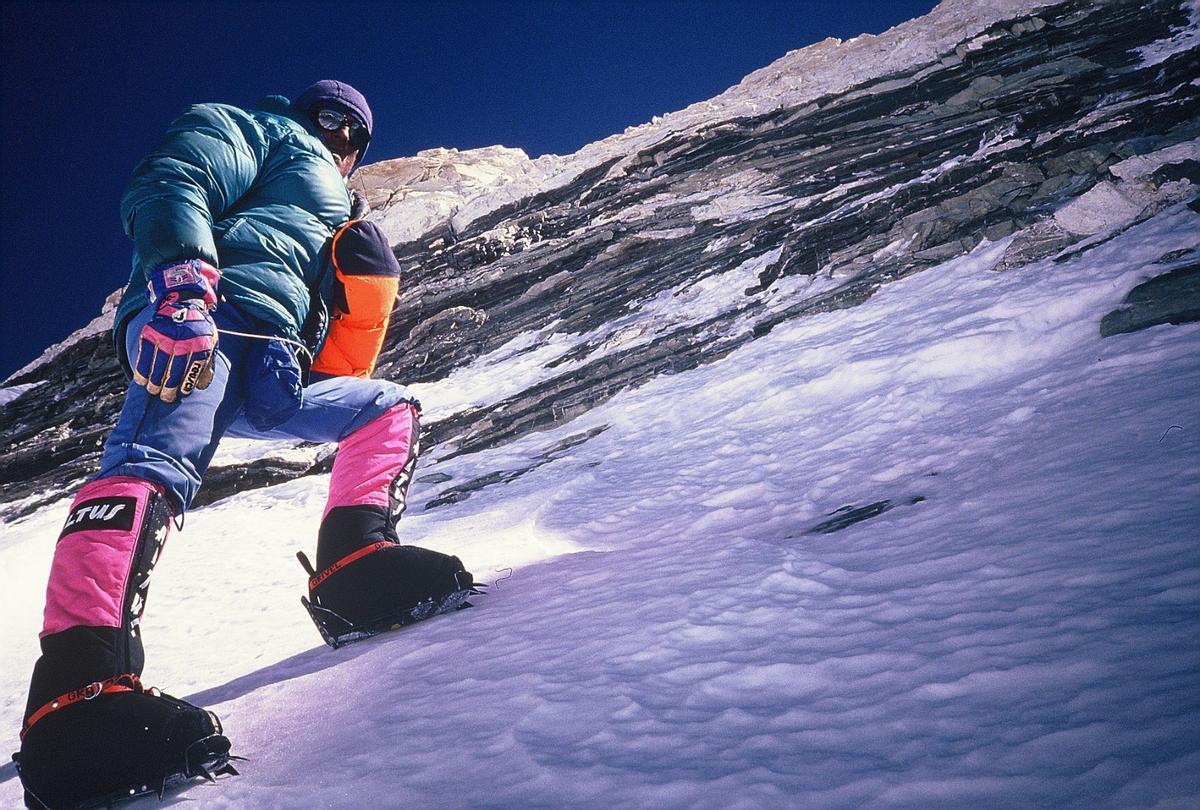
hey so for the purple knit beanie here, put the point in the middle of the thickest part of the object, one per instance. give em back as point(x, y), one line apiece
point(337, 94)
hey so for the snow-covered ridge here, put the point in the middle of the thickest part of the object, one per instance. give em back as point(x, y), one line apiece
point(829, 66)
point(468, 184)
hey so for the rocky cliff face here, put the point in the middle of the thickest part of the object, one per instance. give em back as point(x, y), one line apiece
point(816, 181)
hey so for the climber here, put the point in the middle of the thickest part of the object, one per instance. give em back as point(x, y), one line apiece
point(250, 258)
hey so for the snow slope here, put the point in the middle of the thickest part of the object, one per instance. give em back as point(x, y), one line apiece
point(1017, 629)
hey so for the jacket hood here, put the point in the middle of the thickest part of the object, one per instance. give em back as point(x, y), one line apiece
point(282, 105)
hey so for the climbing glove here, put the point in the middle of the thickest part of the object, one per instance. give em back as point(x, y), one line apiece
point(176, 348)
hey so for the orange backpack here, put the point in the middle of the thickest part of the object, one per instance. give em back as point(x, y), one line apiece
point(367, 278)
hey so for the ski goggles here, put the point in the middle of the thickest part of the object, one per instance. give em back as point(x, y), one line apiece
point(332, 120)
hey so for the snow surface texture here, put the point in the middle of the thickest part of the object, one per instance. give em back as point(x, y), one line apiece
point(1018, 629)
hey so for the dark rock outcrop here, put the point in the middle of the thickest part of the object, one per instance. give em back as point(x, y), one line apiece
point(1173, 297)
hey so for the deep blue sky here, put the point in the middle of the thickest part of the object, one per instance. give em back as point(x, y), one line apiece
point(89, 87)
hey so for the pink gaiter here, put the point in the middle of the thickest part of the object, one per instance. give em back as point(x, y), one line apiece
point(90, 574)
point(373, 462)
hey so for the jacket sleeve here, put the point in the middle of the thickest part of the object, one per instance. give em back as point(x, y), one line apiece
point(209, 158)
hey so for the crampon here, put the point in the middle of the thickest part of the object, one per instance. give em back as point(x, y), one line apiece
point(82, 752)
point(450, 593)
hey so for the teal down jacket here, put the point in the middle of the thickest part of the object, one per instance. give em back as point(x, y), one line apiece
point(254, 192)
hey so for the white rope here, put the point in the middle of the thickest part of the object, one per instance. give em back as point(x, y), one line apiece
point(295, 343)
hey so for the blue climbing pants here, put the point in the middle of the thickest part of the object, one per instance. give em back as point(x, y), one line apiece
point(172, 444)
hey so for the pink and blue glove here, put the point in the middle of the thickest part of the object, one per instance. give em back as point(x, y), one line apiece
point(176, 348)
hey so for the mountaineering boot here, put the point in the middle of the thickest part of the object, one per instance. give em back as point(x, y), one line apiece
point(92, 734)
point(114, 740)
point(367, 582)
